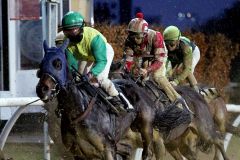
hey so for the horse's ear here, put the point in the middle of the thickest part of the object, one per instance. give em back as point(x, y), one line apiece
point(64, 45)
point(45, 46)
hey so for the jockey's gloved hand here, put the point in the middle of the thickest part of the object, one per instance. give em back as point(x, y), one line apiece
point(87, 77)
point(76, 76)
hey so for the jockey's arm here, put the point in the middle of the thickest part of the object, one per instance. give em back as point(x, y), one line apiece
point(99, 51)
point(129, 58)
point(159, 52)
point(187, 65)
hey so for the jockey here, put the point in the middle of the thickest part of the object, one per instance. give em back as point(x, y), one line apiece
point(183, 55)
point(89, 45)
point(145, 49)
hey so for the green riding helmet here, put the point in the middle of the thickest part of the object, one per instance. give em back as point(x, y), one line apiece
point(171, 33)
point(72, 19)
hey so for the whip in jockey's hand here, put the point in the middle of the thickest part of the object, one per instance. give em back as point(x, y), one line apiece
point(143, 72)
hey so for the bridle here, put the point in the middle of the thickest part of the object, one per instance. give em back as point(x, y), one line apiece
point(56, 89)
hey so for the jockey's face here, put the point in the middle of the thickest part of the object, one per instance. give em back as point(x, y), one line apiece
point(136, 37)
point(74, 34)
point(172, 45)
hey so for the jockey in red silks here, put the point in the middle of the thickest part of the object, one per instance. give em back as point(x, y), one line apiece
point(146, 53)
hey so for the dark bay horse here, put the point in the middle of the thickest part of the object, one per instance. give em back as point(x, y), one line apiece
point(202, 126)
point(89, 127)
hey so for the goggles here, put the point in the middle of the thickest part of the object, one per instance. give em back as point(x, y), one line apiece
point(171, 43)
point(136, 35)
point(69, 32)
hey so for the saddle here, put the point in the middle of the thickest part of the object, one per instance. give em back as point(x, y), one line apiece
point(116, 107)
point(156, 90)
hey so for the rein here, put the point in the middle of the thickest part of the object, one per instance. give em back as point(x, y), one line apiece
point(88, 110)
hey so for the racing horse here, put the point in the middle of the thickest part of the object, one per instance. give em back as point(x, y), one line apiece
point(90, 128)
point(218, 109)
point(202, 126)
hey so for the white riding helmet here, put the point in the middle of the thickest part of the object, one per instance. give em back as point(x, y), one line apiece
point(138, 25)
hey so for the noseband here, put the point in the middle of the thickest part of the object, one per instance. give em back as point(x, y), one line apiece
point(55, 90)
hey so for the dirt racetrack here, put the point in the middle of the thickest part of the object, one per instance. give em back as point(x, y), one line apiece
point(28, 151)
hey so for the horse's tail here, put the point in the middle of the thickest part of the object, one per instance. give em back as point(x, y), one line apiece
point(232, 129)
point(171, 117)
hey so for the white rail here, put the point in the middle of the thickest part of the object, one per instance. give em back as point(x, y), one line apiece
point(233, 108)
point(23, 103)
point(19, 101)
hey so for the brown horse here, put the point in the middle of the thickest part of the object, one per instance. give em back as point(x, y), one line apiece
point(217, 106)
point(202, 125)
point(89, 127)
point(218, 109)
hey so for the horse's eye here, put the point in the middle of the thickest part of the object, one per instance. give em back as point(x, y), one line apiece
point(57, 64)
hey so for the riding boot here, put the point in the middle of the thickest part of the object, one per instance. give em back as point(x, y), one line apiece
point(196, 88)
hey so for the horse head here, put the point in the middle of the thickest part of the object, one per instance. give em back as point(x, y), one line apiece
point(52, 72)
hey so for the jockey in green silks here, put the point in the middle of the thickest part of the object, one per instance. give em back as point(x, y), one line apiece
point(183, 55)
point(93, 53)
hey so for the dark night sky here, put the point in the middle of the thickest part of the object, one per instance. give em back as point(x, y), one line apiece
point(174, 12)
point(183, 13)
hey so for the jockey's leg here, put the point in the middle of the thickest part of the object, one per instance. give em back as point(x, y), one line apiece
point(161, 79)
point(193, 82)
point(196, 58)
point(107, 84)
point(191, 78)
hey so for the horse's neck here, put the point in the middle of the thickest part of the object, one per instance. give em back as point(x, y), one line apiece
point(71, 96)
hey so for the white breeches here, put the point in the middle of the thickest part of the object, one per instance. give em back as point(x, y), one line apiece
point(196, 58)
point(103, 80)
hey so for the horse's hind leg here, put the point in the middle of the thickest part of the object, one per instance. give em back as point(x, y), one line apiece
point(158, 145)
point(219, 111)
point(176, 154)
point(189, 145)
point(147, 136)
point(108, 153)
point(219, 147)
point(218, 144)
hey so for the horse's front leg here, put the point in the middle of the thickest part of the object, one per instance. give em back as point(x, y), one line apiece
point(147, 136)
point(108, 153)
point(158, 145)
